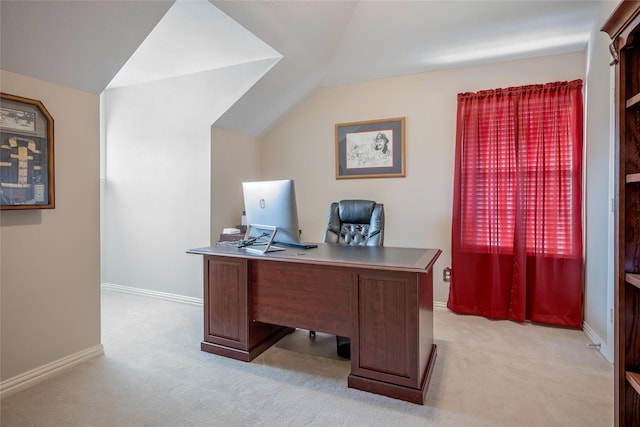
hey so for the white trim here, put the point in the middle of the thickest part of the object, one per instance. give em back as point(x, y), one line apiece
point(440, 305)
point(611, 226)
point(34, 376)
point(605, 350)
point(155, 294)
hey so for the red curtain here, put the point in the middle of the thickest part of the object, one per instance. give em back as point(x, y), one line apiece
point(517, 225)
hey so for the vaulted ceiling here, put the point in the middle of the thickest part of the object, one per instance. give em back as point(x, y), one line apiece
point(84, 44)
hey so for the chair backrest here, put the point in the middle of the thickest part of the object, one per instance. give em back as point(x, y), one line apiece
point(356, 223)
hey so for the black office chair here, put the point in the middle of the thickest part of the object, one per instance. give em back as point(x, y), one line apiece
point(354, 223)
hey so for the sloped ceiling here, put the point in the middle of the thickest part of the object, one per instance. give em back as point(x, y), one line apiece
point(327, 43)
point(83, 44)
point(192, 37)
point(79, 44)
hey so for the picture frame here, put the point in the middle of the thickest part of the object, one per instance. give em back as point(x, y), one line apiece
point(26, 154)
point(371, 149)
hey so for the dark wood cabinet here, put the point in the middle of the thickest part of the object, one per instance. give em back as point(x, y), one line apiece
point(623, 26)
point(228, 329)
point(392, 345)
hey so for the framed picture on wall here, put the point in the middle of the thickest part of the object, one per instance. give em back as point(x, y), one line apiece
point(26, 154)
point(370, 149)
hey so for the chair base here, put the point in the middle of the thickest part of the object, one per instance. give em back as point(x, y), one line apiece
point(344, 347)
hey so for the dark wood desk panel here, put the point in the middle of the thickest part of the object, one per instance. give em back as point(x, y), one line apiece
point(317, 298)
point(380, 297)
point(425, 322)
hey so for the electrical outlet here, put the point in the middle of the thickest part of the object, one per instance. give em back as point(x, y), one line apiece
point(446, 274)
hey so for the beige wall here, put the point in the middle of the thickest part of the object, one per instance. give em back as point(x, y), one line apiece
point(234, 158)
point(418, 207)
point(50, 259)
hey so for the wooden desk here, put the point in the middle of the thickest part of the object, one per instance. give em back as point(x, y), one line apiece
point(380, 297)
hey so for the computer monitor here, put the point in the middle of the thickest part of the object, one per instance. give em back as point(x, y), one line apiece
point(272, 204)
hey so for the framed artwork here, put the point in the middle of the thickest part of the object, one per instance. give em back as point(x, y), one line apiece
point(26, 154)
point(370, 149)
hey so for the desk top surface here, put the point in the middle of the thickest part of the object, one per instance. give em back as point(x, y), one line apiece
point(377, 257)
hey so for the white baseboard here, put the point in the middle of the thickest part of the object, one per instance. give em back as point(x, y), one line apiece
point(606, 352)
point(440, 305)
point(155, 294)
point(34, 376)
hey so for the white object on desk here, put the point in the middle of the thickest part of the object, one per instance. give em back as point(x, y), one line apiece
point(230, 231)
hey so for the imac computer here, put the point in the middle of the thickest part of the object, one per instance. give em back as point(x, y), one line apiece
point(272, 214)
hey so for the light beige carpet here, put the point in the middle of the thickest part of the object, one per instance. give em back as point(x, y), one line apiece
point(487, 373)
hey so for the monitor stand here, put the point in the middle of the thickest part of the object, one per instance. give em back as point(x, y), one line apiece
point(261, 246)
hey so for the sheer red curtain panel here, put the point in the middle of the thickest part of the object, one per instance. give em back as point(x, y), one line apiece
point(517, 213)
